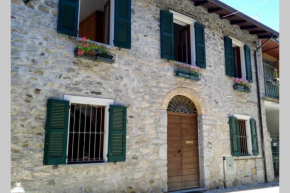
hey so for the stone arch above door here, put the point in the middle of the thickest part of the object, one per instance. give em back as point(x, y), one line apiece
point(191, 94)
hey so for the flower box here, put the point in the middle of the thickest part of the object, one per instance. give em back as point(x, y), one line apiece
point(95, 55)
point(242, 85)
point(241, 88)
point(91, 51)
point(187, 74)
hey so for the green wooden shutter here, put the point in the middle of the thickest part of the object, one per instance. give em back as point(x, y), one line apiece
point(56, 132)
point(117, 133)
point(122, 31)
point(248, 64)
point(68, 17)
point(200, 45)
point(235, 142)
point(255, 145)
point(229, 57)
point(166, 35)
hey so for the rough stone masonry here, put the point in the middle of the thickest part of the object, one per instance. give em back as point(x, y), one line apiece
point(44, 66)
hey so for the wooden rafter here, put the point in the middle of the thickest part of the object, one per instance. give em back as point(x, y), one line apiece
point(212, 10)
point(248, 27)
point(258, 32)
point(199, 3)
point(238, 21)
point(264, 36)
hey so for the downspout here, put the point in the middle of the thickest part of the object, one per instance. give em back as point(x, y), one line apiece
point(259, 107)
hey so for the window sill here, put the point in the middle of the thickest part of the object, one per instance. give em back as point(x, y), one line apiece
point(88, 164)
point(247, 157)
point(181, 63)
point(94, 56)
point(98, 43)
point(241, 88)
point(186, 74)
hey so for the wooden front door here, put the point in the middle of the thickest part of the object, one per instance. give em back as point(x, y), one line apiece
point(182, 152)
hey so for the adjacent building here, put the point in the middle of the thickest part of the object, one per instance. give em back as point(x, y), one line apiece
point(271, 97)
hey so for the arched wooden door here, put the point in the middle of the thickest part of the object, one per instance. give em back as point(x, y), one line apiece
point(182, 145)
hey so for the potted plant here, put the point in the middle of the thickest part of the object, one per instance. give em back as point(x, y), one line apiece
point(102, 52)
point(187, 71)
point(92, 51)
point(242, 85)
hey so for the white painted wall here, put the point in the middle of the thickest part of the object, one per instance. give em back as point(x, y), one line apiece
point(273, 122)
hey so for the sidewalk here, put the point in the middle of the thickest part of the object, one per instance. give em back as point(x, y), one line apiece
point(272, 187)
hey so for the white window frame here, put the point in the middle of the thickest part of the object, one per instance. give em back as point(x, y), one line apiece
point(93, 101)
point(248, 131)
point(185, 19)
point(242, 54)
point(112, 26)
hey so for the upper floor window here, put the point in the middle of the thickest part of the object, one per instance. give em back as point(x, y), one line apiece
point(237, 59)
point(103, 21)
point(182, 39)
point(96, 19)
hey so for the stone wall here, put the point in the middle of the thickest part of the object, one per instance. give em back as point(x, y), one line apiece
point(43, 66)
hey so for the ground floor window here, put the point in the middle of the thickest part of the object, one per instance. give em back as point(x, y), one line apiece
point(84, 130)
point(243, 137)
point(86, 133)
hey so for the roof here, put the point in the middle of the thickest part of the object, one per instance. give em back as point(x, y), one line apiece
point(245, 22)
point(271, 48)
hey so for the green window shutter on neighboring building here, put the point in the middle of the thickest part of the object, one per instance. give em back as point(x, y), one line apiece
point(117, 133)
point(166, 35)
point(68, 17)
point(55, 144)
point(248, 63)
point(255, 145)
point(229, 57)
point(122, 31)
point(200, 45)
point(235, 142)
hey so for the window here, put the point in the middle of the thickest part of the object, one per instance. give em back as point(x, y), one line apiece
point(182, 39)
point(243, 137)
point(239, 62)
point(95, 19)
point(237, 59)
point(103, 21)
point(84, 130)
point(86, 133)
point(183, 34)
point(244, 140)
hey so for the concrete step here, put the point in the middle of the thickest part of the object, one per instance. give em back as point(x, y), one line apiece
point(194, 190)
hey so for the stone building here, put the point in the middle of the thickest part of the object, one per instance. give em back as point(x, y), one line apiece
point(135, 115)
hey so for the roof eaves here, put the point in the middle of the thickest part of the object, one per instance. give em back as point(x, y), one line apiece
point(249, 19)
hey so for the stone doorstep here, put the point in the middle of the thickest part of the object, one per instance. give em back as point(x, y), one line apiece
point(194, 190)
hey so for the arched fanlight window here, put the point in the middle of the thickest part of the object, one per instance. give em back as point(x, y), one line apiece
point(181, 104)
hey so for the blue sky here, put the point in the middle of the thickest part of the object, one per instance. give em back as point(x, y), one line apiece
point(265, 11)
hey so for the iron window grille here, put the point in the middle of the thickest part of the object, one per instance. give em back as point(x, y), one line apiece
point(86, 134)
point(181, 104)
point(243, 138)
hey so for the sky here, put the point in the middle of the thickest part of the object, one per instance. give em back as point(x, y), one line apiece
point(264, 11)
